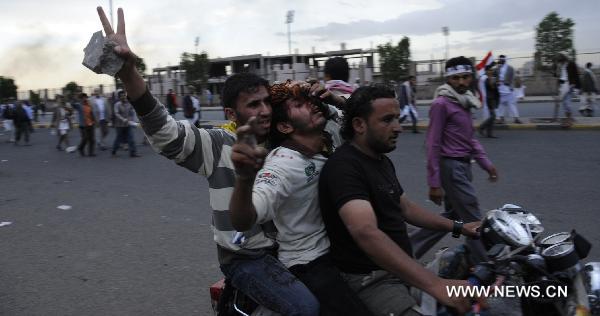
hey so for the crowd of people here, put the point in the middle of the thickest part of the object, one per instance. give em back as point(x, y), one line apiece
point(92, 115)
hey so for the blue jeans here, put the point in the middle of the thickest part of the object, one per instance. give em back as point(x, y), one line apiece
point(269, 283)
point(566, 101)
point(124, 134)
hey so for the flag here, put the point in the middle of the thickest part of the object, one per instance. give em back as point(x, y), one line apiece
point(487, 60)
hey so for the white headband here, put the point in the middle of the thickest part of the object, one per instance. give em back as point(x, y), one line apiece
point(458, 69)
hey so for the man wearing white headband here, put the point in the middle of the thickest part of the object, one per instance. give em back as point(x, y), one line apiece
point(451, 144)
point(508, 100)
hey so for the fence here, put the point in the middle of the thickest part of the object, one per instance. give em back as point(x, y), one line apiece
point(429, 75)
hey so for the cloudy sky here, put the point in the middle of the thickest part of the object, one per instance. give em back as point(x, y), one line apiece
point(42, 41)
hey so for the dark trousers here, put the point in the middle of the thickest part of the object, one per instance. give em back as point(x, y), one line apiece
point(324, 280)
point(488, 125)
point(103, 128)
point(414, 121)
point(22, 128)
point(124, 134)
point(87, 138)
point(460, 203)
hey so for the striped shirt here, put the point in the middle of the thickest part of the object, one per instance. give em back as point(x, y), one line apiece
point(207, 152)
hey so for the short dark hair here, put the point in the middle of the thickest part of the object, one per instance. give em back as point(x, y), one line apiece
point(238, 83)
point(337, 68)
point(460, 60)
point(360, 104)
point(588, 65)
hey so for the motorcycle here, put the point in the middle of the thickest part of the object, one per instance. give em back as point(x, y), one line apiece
point(226, 300)
point(544, 275)
point(519, 257)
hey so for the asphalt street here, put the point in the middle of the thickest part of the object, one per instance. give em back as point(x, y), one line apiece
point(529, 109)
point(136, 239)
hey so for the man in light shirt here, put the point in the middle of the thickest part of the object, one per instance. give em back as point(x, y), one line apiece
point(102, 112)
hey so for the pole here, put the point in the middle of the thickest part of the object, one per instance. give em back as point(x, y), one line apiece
point(289, 19)
point(446, 32)
point(289, 39)
point(447, 48)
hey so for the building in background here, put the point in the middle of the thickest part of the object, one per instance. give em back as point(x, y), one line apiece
point(276, 68)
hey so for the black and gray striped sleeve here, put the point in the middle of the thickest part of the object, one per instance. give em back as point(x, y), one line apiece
point(179, 141)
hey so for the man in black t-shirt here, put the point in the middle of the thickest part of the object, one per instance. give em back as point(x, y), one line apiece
point(365, 212)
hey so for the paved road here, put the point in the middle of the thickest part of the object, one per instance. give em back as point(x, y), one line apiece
point(137, 240)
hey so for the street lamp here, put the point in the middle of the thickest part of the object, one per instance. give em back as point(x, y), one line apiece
point(289, 20)
point(446, 32)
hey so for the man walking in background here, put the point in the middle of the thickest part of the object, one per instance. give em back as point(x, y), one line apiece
point(171, 102)
point(488, 90)
point(86, 123)
point(589, 89)
point(22, 123)
point(191, 106)
point(508, 102)
point(407, 98)
point(102, 113)
point(451, 144)
point(124, 118)
point(568, 81)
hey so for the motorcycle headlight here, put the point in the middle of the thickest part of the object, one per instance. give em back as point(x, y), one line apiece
point(529, 221)
point(500, 227)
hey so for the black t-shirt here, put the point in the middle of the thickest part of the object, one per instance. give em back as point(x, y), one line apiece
point(349, 175)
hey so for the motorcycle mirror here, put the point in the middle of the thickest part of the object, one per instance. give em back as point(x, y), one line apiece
point(582, 246)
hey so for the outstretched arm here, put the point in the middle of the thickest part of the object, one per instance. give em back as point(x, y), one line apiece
point(132, 80)
point(247, 159)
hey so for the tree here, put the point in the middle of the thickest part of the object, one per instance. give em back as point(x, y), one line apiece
point(140, 65)
point(34, 98)
point(8, 89)
point(71, 89)
point(553, 36)
point(196, 68)
point(395, 60)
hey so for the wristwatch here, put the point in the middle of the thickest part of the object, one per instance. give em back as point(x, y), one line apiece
point(457, 229)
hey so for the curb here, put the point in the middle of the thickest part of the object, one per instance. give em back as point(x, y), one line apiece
point(525, 127)
point(421, 127)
